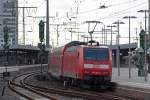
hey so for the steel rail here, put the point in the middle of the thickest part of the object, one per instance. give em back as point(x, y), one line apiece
point(12, 86)
point(75, 93)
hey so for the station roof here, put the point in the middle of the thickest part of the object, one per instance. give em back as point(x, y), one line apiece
point(124, 46)
point(35, 48)
point(23, 47)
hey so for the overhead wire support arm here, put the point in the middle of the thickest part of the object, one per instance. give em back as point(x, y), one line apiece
point(57, 30)
point(23, 11)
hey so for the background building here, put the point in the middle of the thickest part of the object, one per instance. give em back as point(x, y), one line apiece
point(9, 18)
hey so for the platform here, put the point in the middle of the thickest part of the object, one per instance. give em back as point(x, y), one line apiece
point(16, 68)
point(134, 81)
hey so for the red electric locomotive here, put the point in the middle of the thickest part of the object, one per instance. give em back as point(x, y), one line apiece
point(78, 62)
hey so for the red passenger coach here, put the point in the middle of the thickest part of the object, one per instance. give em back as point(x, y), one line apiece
point(77, 61)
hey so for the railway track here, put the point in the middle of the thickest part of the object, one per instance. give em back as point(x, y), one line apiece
point(74, 93)
point(31, 92)
point(113, 94)
point(134, 92)
point(16, 85)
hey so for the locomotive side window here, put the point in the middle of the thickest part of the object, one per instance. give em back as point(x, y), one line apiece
point(71, 49)
point(96, 54)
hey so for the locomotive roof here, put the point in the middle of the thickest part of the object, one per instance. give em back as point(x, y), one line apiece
point(77, 43)
point(94, 46)
point(83, 44)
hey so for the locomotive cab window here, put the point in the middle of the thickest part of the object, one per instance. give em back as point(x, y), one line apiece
point(96, 54)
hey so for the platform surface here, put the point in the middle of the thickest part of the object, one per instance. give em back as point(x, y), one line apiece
point(16, 68)
point(134, 81)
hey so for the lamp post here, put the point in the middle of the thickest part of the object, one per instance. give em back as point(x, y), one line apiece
point(129, 17)
point(118, 42)
point(105, 35)
point(145, 42)
point(111, 26)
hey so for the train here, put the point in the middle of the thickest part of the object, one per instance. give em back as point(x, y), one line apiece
point(78, 62)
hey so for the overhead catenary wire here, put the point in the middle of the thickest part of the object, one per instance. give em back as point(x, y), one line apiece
point(44, 1)
point(111, 14)
point(110, 6)
point(116, 4)
point(122, 12)
point(117, 13)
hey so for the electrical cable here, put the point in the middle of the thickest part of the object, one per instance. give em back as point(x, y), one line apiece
point(123, 3)
point(122, 11)
point(41, 4)
point(117, 4)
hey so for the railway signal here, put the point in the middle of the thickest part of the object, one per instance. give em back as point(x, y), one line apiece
point(142, 34)
point(41, 31)
point(41, 46)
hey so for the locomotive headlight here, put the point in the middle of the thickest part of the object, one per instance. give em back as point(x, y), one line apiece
point(104, 66)
point(88, 65)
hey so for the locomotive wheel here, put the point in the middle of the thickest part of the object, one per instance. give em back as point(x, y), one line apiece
point(65, 83)
point(104, 87)
point(112, 86)
point(74, 82)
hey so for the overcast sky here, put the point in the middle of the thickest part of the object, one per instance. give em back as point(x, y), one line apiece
point(87, 10)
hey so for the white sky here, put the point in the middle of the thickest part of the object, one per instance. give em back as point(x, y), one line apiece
point(88, 10)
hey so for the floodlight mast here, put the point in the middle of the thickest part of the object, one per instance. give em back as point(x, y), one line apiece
point(129, 54)
point(118, 45)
